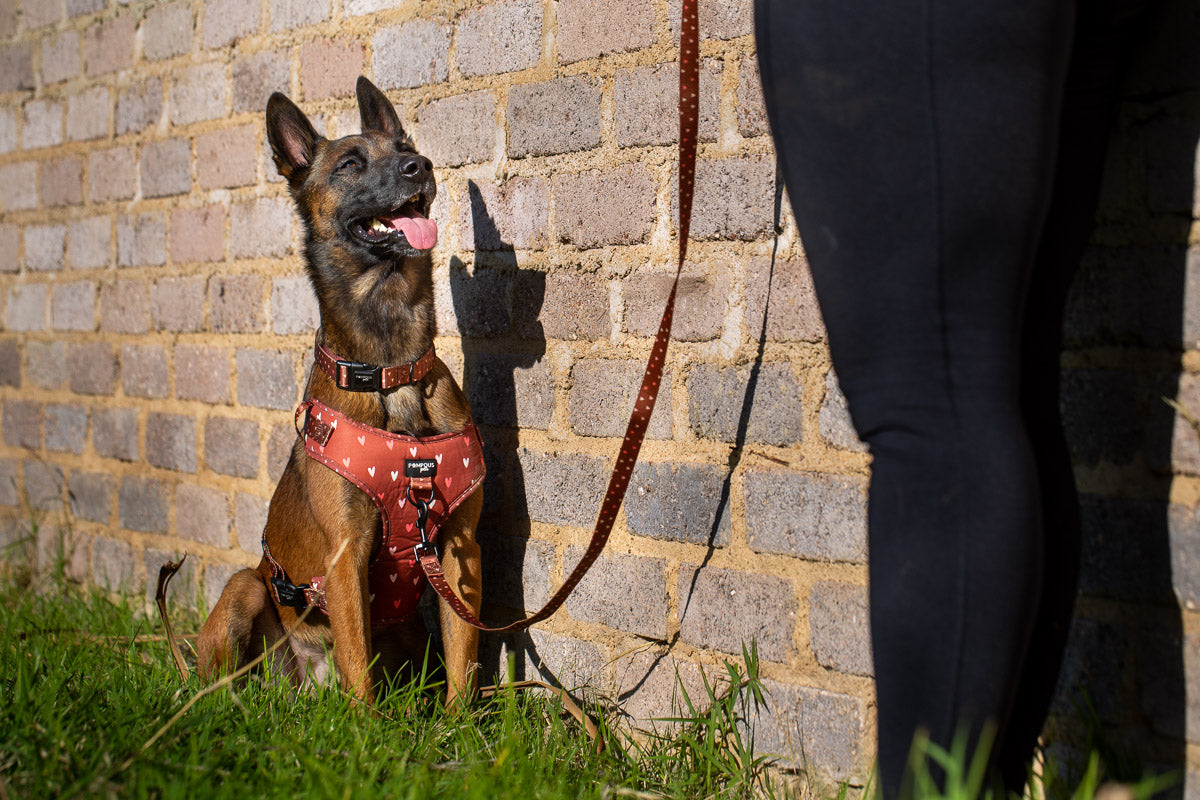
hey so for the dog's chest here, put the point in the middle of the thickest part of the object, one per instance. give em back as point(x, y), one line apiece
point(406, 413)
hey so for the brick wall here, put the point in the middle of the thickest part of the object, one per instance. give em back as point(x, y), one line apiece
point(157, 325)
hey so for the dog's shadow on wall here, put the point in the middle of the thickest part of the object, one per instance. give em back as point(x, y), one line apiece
point(497, 306)
point(1126, 330)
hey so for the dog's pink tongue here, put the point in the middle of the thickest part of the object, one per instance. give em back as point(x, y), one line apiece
point(420, 231)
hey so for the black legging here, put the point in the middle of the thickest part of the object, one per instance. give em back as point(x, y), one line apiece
point(943, 162)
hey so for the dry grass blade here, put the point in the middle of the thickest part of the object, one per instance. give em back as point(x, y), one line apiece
point(1183, 412)
point(568, 703)
point(165, 573)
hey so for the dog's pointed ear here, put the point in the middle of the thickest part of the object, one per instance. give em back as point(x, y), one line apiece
point(376, 111)
point(292, 137)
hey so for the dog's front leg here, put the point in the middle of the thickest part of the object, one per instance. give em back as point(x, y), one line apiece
point(346, 594)
point(462, 566)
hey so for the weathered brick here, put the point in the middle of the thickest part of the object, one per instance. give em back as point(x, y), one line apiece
point(575, 307)
point(719, 19)
point(166, 168)
point(261, 228)
point(92, 367)
point(22, 423)
point(115, 433)
point(202, 373)
point(558, 116)
point(834, 421)
point(226, 158)
point(90, 242)
point(37, 15)
point(167, 31)
point(1183, 531)
point(1160, 695)
point(112, 174)
point(806, 514)
point(413, 54)
point(73, 306)
point(215, 577)
point(113, 564)
point(514, 216)
point(354, 8)
point(198, 93)
point(500, 37)
point(47, 364)
point(266, 378)
point(91, 495)
point(44, 247)
point(590, 28)
point(66, 428)
point(646, 99)
point(330, 67)
point(231, 446)
point(44, 487)
point(171, 441)
point(256, 76)
point(717, 399)
point(563, 660)
point(9, 496)
point(612, 207)
point(16, 67)
point(141, 240)
point(1111, 430)
point(279, 450)
point(458, 130)
point(679, 502)
point(751, 112)
point(650, 686)
point(734, 198)
point(20, 186)
point(235, 303)
point(142, 505)
point(560, 488)
point(62, 181)
point(791, 306)
point(202, 515)
point(699, 305)
point(8, 18)
point(197, 234)
point(517, 571)
point(287, 14)
point(89, 114)
point(10, 362)
point(227, 20)
point(839, 627)
point(60, 57)
point(812, 729)
point(250, 518)
point(725, 608)
point(481, 302)
point(76, 8)
point(125, 307)
point(109, 46)
point(603, 394)
point(510, 390)
point(144, 370)
point(26, 308)
point(1185, 439)
point(10, 247)
point(625, 592)
point(139, 106)
point(10, 139)
point(293, 305)
point(177, 304)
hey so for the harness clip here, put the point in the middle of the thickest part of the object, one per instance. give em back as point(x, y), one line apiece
point(289, 594)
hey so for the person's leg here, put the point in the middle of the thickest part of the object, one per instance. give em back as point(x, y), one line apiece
point(916, 141)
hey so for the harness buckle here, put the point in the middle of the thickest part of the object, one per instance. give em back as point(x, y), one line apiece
point(358, 377)
point(289, 594)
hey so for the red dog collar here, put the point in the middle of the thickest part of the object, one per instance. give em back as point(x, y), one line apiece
point(355, 376)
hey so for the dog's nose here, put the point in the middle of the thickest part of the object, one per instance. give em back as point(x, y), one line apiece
point(414, 166)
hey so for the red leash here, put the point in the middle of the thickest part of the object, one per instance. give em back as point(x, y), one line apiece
point(689, 79)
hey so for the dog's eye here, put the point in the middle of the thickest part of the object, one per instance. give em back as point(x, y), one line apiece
point(350, 163)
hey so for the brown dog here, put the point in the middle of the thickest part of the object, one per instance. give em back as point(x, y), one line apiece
point(364, 201)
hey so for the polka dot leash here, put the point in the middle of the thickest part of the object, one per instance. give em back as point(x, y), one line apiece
point(689, 80)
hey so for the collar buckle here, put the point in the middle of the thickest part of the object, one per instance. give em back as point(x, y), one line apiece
point(358, 377)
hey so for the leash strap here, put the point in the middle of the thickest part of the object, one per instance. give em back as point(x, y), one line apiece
point(689, 79)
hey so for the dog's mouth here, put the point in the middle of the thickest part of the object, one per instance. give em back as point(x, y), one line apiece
point(407, 223)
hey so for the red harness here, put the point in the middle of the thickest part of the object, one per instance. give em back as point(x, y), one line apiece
point(415, 482)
